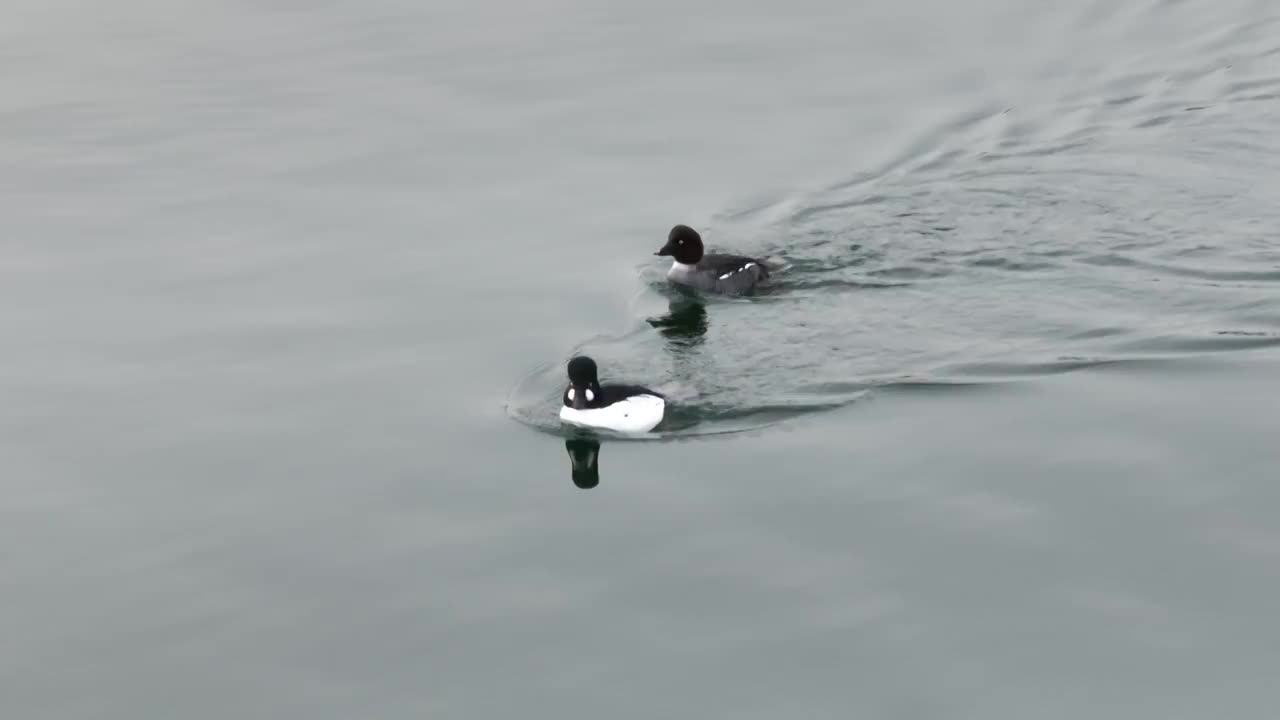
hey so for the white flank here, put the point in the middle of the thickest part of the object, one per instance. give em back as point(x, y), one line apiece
point(636, 414)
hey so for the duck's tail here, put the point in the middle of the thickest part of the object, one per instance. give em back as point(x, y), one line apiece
point(775, 263)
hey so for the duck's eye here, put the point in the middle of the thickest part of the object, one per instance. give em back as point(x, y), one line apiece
point(570, 395)
point(679, 242)
point(590, 395)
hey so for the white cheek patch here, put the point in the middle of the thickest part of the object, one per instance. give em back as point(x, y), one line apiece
point(590, 395)
point(570, 395)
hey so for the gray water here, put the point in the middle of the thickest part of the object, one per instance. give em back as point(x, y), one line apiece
point(286, 292)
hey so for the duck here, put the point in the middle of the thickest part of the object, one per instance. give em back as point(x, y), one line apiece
point(717, 273)
point(621, 408)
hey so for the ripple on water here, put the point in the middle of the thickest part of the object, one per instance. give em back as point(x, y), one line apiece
point(1010, 243)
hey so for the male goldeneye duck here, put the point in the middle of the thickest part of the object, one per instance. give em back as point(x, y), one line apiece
point(623, 408)
point(717, 273)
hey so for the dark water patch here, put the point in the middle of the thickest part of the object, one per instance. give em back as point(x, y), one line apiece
point(1264, 97)
point(1263, 319)
point(804, 260)
point(1200, 250)
point(1095, 333)
point(1003, 373)
point(1122, 100)
point(1250, 87)
point(1220, 341)
point(928, 387)
point(839, 285)
point(685, 324)
point(1029, 369)
point(1156, 121)
point(834, 388)
point(1010, 264)
point(1216, 275)
point(1033, 152)
point(909, 272)
point(1057, 252)
point(710, 419)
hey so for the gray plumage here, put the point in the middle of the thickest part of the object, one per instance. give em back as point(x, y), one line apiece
point(720, 273)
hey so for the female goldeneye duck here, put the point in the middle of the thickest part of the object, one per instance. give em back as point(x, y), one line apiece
point(714, 272)
point(622, 408)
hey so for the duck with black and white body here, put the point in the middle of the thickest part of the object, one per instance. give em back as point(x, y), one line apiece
point(621, 408)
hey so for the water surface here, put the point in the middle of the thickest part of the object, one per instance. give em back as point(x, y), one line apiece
point(287, 291)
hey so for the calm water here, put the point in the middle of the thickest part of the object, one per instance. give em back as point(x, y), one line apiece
point(287, 290)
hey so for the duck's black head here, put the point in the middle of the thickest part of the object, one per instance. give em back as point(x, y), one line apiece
point(584, 385)
point(684, 244)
